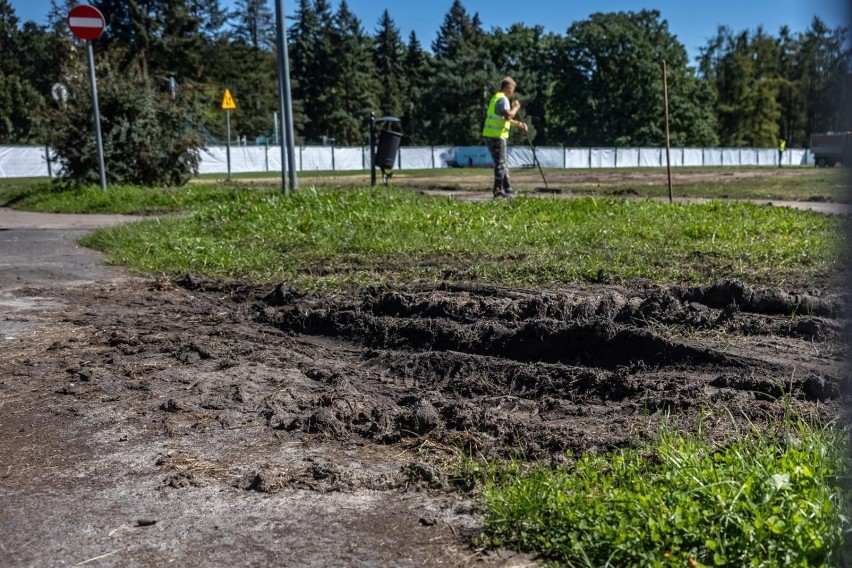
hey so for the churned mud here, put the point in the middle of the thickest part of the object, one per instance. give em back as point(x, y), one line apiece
point(314, 416)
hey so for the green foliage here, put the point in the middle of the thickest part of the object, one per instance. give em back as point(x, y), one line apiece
point(612, 89)
point(769, 88)
point(148, 136)
point(255, 95)
point(343, 237)
point(746, 85)
point(757, 501)
point(42, 61)
point(255, 24)
point(19, 111)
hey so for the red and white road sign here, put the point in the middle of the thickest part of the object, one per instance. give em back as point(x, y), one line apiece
point(86, 22)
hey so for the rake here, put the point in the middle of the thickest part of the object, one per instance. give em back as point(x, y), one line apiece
point(546, 188)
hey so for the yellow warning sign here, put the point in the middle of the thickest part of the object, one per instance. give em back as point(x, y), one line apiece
point(228, 101)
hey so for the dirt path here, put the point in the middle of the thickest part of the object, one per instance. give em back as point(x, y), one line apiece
point(824, 207)
point(145, 421)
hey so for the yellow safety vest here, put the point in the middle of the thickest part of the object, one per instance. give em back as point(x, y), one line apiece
point(782, 145)
point(495, 125)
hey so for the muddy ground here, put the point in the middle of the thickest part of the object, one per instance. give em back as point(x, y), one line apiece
point(147, 421)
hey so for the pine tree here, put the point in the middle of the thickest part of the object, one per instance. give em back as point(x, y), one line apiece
point(388, 59)
point(9, 40)
point(417, 70)
point(309, 43)
point(255, 25)
point(354, 87)
point(163, 36)
point(464, 79)
point(254, 40)
point(824, 64)
point(213, 18)
point(746, 87)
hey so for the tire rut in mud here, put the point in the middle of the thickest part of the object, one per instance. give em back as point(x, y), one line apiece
point(212, 368)
point(503, 372)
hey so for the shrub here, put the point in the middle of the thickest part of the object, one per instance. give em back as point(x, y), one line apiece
point(148, 136)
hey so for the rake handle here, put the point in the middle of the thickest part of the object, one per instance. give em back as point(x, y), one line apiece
point(535, 158)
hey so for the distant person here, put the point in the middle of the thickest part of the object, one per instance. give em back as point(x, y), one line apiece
point(782, 145)
point(498, 122)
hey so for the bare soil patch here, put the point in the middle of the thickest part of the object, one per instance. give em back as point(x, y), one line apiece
point(531, 177)
point(158, 420)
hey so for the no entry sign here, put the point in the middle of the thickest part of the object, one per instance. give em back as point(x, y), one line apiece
point(86, 22)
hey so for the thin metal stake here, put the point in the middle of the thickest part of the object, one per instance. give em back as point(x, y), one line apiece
point(668, 141)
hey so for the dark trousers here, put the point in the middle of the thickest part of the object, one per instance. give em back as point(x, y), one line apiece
point(497, 148)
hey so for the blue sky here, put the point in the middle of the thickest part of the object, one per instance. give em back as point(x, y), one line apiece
point(693, 22)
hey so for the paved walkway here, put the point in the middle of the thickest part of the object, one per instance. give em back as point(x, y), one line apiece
point(39, 254)
point(11, 219)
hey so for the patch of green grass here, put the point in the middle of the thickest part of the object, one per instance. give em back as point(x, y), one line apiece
point(757, 501)
point(340, 238)
point(49, 197)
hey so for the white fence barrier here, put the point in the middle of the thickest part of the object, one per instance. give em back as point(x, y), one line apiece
point(31, 161)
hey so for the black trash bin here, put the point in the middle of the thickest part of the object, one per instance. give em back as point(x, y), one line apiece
point(389, 139)
point(388, 147)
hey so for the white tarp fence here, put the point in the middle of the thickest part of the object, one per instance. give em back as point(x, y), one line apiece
point(31, 161)
point(23, 161)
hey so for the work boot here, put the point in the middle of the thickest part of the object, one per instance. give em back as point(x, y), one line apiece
point(507, 193)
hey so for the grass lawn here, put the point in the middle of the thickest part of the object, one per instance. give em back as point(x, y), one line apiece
point(345, 238)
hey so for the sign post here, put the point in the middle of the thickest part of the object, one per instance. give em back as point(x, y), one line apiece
point(228, 105)
point(87, 22)
point(285, 99)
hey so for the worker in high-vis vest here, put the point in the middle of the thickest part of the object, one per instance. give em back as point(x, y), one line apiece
point(498, 122)
point(782, 145)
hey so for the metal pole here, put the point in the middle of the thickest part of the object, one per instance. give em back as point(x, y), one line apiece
point(100, 141)
point(372, 149)
point(47, 156)
point(285, 99)
point(228, 144)
point(275, 122)
point(668, 141)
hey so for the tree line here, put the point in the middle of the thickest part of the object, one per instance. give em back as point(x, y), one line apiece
point(598, 84)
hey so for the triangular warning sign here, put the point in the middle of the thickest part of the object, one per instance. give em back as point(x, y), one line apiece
point(228, 101)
